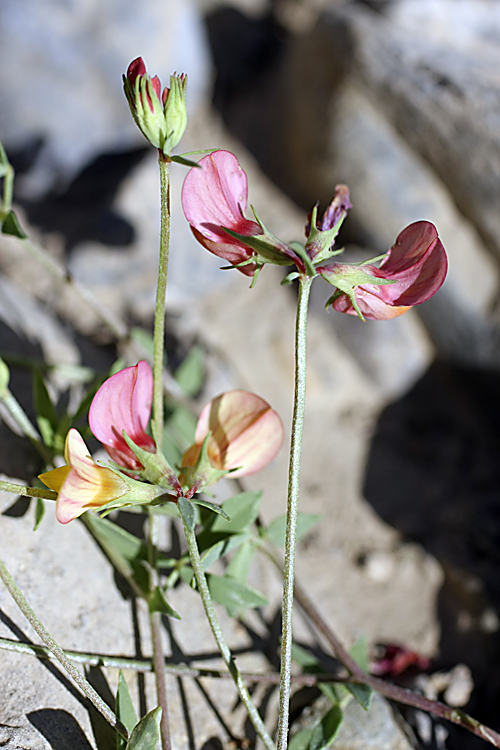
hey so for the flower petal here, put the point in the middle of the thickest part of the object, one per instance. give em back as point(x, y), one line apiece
point(214, 195)
point(245, 433)
point(123, 403)
point(82, 484)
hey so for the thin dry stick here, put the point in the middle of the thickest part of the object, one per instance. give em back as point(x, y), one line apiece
point(394, 692)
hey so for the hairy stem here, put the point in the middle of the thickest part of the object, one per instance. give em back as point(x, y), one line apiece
point(20, 489)
point(54, 647)
point(156, 639)
point(292, 505)
point(161, 290)
point(225, 652)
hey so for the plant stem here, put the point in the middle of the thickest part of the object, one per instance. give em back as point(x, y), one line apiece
point(225, 652)
point(392, 692)
point(156, 639)
point(161, 290)
point(292, 504)
point(54, 647)
point(20, 489)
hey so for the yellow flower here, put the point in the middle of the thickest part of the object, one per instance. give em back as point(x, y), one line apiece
point(82, 484)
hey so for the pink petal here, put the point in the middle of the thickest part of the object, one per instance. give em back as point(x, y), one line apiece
point(371, 306)
point(123, 403)
point(215, 196)
point(135, 69)
point(246, 432)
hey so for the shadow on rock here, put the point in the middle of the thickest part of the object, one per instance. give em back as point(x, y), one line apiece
point(60, 729)
point(433, 473)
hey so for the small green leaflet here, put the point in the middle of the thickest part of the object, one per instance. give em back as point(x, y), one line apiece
point(158, 603)
point(234, 595)
point(39, 513)
point(190, 374)
point(276, 530)
point(146, 733)
point(11, 226)
point(124, 710)
point(321, 735)
point(362, 693)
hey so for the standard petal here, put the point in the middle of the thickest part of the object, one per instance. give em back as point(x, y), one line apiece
point(123, 403)
point(214, 195)
point(245, 433)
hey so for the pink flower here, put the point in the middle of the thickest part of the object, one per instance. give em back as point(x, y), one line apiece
point(246, 434)
point(215, 195)
point(82, 484)
point(123, 403)
point(417, 265)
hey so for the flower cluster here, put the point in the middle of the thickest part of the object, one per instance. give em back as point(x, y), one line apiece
point(237, 433)
point(214, 199)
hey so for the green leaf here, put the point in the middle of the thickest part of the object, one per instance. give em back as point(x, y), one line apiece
point(124, 710)
point(242, 509)
point(311, 665)
point(276, 530)
point(240, 564)
point(158, 603)
point(127, 553)
point(213, 507)
point(362, 693)
point(12, 227)
point(321, 735)
point(46, 416)
point(234, 595)
point(39, 513)
point(190, 374)
point(221, 548)
point(146, 734)
point(186, 509)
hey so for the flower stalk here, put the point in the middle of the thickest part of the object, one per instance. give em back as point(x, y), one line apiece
point(216, 629)
point(161, 291)
point(292, 506)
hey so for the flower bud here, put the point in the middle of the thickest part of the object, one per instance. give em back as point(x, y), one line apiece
point(162, 118)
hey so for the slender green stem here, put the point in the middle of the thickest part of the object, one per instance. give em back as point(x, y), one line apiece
point(161, 290)
point(156, 639)
point(292, 504)
point(8, 189)
point(19, 416)
point(20, 489)
point(54, 647)
point(225, 652)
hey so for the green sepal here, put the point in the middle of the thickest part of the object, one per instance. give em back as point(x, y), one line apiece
point(158, 603)
point(186, 509)
point(268, 248)
point(302, 253)
point(139, 493)
point(12, 227)
point(289, 278)
point(324, 239)
point(202, 474)
point(146, 734)
point(156, 470)
point(212, 506)
point(346, 278)
point(185, 162)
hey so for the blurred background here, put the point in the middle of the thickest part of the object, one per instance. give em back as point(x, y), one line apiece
point(400, 100)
